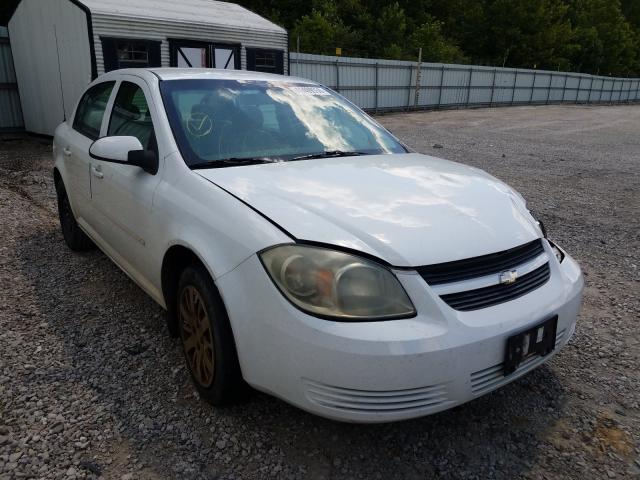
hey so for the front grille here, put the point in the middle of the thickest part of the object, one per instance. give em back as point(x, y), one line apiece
point(495, 294)
point(480, 266)
point(376, 401)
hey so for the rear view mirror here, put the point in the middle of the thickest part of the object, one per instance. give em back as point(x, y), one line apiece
point(124, 150)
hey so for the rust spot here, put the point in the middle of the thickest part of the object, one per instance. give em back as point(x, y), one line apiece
point(605, 437)
point(611, 437)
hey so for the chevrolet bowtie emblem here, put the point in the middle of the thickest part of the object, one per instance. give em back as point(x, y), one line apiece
point(508, 277)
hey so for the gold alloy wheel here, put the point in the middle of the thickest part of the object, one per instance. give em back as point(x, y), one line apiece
point(197, 338)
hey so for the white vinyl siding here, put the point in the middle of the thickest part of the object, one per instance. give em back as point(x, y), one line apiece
point(50, 43)
point(52, 49)
point(117, 26)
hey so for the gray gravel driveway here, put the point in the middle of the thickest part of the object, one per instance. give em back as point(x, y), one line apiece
point(92, 386)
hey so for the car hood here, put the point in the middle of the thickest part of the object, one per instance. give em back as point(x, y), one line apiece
point(408, 209)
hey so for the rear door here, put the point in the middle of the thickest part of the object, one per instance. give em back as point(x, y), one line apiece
point(75, 143)
point(122, 194)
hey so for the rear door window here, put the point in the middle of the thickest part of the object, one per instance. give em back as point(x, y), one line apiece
point(90, 112)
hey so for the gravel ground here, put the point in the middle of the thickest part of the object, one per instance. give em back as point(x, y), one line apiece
point(92, 386)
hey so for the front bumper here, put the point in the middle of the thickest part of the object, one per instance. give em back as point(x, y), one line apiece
point(390, 370)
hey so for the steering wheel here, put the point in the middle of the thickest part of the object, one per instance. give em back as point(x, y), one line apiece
point(199, 124)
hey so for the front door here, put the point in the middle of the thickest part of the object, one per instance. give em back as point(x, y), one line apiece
point(122, 195)
point(197, 54)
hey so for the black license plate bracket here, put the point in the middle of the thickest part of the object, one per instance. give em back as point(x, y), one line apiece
point(537, 340)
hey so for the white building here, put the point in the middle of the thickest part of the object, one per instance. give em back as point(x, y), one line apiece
point(59, 46)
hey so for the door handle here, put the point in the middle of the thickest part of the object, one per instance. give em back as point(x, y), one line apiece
point(96, 172)
point(67, 151)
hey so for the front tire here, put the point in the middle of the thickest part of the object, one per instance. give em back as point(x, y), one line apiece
point(207, 340)
point(74, 237)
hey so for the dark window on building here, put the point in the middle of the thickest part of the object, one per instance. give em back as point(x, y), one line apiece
point(198, 54)
point(262, 60)
point(133, 53)
point(90, 112)
point(129, 53)
point(266, 60)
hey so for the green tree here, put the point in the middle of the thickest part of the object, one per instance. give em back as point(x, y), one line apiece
point(586, 35)
point(390, 31)
point(322, 31)
point(525, 33)
point(631, 12)
point(435, 47)
point(607, 42)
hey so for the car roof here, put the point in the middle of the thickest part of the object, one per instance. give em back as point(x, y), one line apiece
point(153, 75)
point(219, 74)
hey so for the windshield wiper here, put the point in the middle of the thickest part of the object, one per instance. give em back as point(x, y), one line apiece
point(231, 162)
point(328, 154)
point(236, 161)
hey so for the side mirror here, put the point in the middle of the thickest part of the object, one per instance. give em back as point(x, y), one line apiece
point(124, 150)
point(147, 160)
point(114, 149)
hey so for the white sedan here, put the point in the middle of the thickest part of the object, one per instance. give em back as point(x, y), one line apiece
point(300, 248)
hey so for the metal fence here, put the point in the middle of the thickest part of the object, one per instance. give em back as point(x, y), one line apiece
point(10, 111)
point(388, 85)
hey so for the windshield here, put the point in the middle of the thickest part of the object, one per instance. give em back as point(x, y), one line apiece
point(235, 120)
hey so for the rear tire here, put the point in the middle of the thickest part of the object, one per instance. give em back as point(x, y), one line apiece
point(74, 237)
point(207, 340)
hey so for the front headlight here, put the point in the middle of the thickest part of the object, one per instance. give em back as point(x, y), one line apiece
point(556, 251)
point(332, 284)
point(539, 223)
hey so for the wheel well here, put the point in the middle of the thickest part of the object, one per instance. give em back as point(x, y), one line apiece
point(176, 259)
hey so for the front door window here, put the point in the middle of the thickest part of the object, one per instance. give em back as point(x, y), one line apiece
point(131, 116)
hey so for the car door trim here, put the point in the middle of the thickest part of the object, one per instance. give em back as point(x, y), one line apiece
point(123, 265)
point(104, 159)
